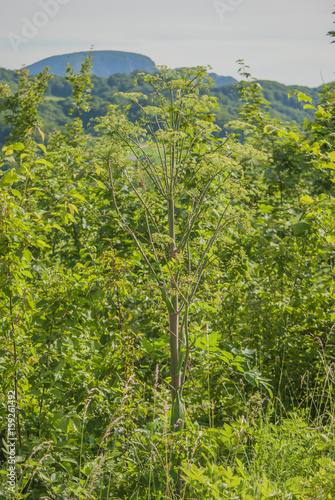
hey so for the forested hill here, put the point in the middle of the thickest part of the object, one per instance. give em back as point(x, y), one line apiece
point(54, 110)
point(105, 63)
point(220, 81)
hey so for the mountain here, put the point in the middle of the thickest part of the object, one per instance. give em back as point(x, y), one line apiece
point(105, 63)
point(220, 81)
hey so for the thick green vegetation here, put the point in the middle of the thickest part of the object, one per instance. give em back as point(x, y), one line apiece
point(167, 294)
point(54, 109)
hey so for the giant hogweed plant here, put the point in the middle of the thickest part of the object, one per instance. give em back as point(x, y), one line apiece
point(188, 192)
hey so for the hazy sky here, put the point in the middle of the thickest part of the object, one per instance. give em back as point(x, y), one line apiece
point(283, 40)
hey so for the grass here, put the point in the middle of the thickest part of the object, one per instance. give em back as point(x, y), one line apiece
point(262, 453)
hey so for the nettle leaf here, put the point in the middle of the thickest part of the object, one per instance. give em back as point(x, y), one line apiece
point(44, 149)
point(147, 345)
point(27, 273)
point(42, 244)
point(45, 162)
point(100, 184)
point(310, 106)
point(209, 342)
point(16, 193)
point(73, 209)
point(251, 378)
point(300, 227)
point(265, 209)
point(10, 177)
point(27, 255)
point(78, 196)
point(226, 356)
point(65, 424)
point(29, 305)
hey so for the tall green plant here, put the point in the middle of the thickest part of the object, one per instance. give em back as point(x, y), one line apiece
point(187, 187)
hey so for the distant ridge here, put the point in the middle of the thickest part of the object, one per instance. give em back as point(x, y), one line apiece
point(108, 62)
point(105, 63)
point(221, 81)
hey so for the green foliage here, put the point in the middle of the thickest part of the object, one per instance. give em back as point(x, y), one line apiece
point(55, 106)
point(262, 460)
point(332, 32)
point(21, 107)
point(189, 192)
point(236, 237)
point(81, 86)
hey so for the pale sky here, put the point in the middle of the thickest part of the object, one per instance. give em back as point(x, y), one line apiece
point(282, 40)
